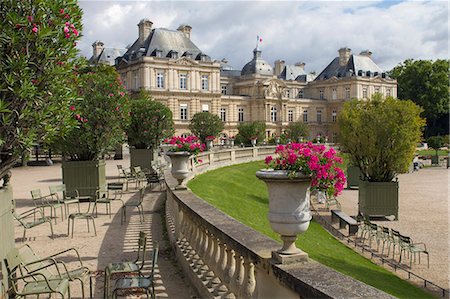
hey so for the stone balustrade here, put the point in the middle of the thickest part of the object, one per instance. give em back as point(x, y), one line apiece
point(225, 259)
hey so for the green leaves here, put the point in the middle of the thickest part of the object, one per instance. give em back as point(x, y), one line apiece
point(380, 135)
point(249, 130)
point(204, 124)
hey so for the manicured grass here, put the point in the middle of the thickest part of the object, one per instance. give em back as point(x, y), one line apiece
point(432, 152)
point(236, 191)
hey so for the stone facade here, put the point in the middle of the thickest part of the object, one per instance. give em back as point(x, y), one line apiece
point(167, 63)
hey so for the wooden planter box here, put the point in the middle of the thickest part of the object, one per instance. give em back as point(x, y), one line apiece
point(85, 176)
point(434, 160)
point(141, 157)
point(6, 224)
point(353, 176)
point(378, 198)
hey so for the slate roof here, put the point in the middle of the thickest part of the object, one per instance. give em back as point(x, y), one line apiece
point(257, 65)
point(108, 56)
point(357, 65)
point(291, 72)
point(166, 42)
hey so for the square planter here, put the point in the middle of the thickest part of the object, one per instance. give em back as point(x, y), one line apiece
point(378, 198)
point(85, 176)
point(434, 160)
point(141, 157)
point(6, 224)
point(353, 176)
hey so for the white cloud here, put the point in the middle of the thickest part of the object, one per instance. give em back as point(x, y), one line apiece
point(309, 31)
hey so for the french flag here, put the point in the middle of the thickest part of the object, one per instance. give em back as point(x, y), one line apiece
point(258, 39)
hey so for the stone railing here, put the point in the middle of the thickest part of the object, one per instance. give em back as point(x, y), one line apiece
point(224, 258)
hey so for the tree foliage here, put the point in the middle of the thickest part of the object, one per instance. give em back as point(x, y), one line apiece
point(204, 124)
point(380, 135)
point(150, 122)
point(435, 142)
point(251, 130)
point(295, 130)
point(101, 114)
point(37, 49)
point(426, 83)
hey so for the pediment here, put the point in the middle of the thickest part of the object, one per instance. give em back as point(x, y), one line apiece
point(184, 61)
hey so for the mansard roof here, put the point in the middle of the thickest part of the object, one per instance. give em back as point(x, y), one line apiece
point(163, 42)
point(357, 65)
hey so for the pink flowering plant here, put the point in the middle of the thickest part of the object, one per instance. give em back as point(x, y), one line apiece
point(310, 159)
point(188, 144)
point(210, 138)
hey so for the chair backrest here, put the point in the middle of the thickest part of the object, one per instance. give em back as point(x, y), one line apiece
point(20, 219)
point(142, 249)
point(36, 194)
point(395, 234)
point(405, 239)
point(386, 230)
point(116, 190)
point(56, 190)
point(26, 255)
point(154, 258)
point(12, 262)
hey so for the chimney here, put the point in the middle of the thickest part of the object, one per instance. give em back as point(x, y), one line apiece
point(186, 29)
point(97, 48)
point(301, 65)
point(366, 53)
point(344, 55)
point(145, 26)
point(279, 67)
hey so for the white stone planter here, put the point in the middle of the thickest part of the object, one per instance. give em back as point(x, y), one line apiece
point(254, 142)
point(180, 167)
point(209, 144)
point(231, 142)
point(289, 213)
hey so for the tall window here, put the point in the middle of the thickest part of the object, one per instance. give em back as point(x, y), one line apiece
point(388, 92)
point(183, 81)
point(224, 89)
point(300, 93)
point(183, 111)
point(241, 114)
point(347, 92)
point(273, 114)
point(136, 79)
point(223, 114)
point(364, 93)
point(334, 94)
point(333, 116)
point(377, 89)
point(205, 108)
point(319, 116)
point(160, 80)
point(305, 116)
point(291, 115)
point(321, 94)
point(205, 85)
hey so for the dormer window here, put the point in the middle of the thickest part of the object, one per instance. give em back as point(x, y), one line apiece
point(158, 53)
point(173, 54)
point(187, 54)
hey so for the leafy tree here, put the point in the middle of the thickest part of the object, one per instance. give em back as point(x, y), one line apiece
point(204, 124)
point(101, 114)
point(295, 130)
point(435, 142)
point(150, 122)
point(380, 135)
point(37, 51)
point(250, 130)
point(426, 83)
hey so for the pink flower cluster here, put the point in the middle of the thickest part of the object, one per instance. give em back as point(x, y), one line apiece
point(185, 144)
point(210, 138)
point(313, 160)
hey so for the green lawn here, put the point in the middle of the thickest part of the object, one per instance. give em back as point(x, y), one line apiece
point(236, 191)
point(431, 152)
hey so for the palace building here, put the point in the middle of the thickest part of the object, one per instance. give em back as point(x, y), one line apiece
point(178, 74)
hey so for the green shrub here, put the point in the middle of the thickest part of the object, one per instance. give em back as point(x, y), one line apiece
point(205, 124)
point(249, 130)
point(295, 130)
point(380, 135)
point(150, 122)
point(435, 142)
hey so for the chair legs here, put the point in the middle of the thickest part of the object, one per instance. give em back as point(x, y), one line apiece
point(87, 217)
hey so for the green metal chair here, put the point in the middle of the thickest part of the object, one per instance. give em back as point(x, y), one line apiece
point(126, 176)
point(133, 267)
point(24, 284)
point(395, 241)
point(87, 215)
point(24, 217)
point(45, 201)
point(141, 284)
point(140, 175)
point(134, 203)
point(386, 238)
point(407, 246)
point(59, 193)
point(112, 192)
point(35, 264)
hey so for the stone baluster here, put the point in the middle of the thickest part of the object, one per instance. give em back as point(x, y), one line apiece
point(198, 262)
point(221, 268)
point(229, 268)
point(188, 235)
point(209, 259)
point(249, 283)
point(214, 263)
point(238, 277)
point(181, 229)
point(203, 255)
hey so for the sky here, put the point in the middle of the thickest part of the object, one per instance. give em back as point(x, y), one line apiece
point(294, 31)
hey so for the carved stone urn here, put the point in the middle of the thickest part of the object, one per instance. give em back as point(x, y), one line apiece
point(289, 213)
point(180, 167)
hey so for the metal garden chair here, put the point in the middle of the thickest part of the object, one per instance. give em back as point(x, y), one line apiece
point(122, 268)
point(59, 192)
point(87, 215)
point(113, 192)
point(134, 203)
point(126, 176)
point(141, 284)
point(45, 201)
point(35, 264)
point(23, 284)
point(407, 246)
point(24, 220)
